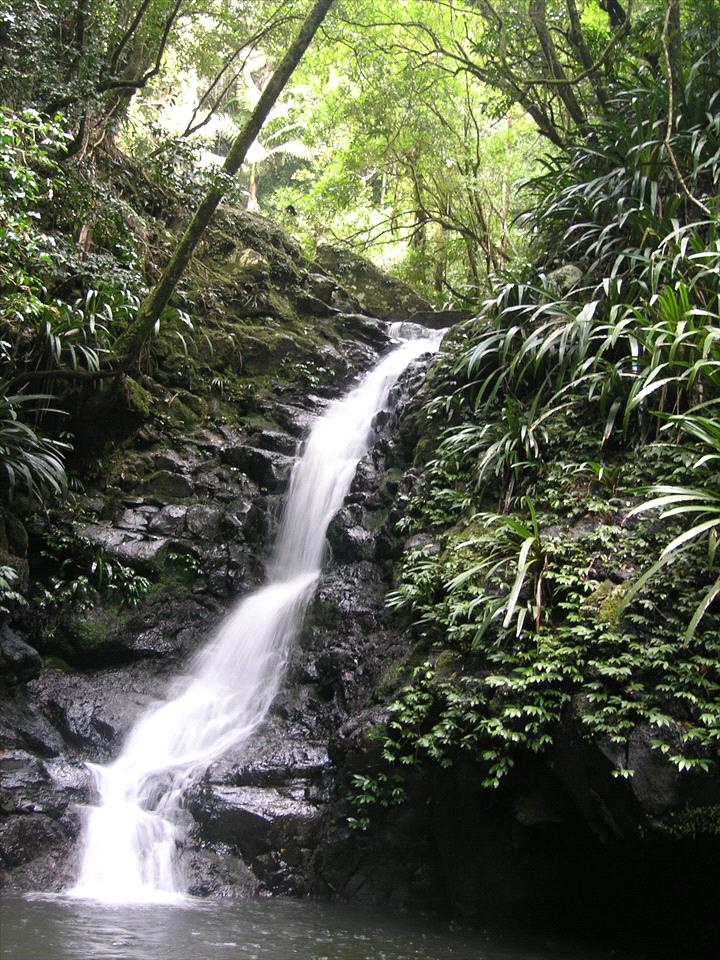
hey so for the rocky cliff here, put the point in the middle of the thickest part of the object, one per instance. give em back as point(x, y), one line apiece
point(169, 522)
point(177, 510)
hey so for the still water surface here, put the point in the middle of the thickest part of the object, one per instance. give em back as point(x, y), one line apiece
point(48, 928)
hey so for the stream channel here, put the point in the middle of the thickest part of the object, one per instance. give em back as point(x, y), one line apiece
point(60, 928)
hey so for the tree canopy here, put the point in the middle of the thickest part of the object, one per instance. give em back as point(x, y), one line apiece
point(405, 130)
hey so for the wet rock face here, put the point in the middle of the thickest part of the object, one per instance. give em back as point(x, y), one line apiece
point(278, 802)
point(194, 514)
point(262, 804)
point(39, 814)
point(94, 710)
point(349, 537)
point(18, 660)
point(378, 294)
point(269, 469)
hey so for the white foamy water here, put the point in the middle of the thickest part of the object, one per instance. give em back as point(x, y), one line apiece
point(131, 838)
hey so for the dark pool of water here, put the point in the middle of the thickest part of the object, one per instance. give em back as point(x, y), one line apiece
point(45, 928)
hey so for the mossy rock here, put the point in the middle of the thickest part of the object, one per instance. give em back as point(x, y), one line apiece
point(167, 486)
point(57, 663)
point(282, 308)
point(126, 471)
point(425, 451)
point(376, 520)
point(610, 611)
point(247, 264)
point(138, 400)
point(264, 353)
point(197, 405)
point(221, 350)
point(13, 535)
point(178, 412)
point(560, 281)
point(391, 679)
point(607, 598)
point(378, 294)
point(179, 571)
point(447, 663)
point(258, 421)
point(90, 635)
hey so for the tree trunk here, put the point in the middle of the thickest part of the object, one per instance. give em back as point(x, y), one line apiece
point(673, 46)
point(578, 41)
point(130, 345)
point(538, 16)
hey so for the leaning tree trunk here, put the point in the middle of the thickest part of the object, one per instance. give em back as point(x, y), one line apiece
point(538, 16)
point(130, 345)
point(672, 40)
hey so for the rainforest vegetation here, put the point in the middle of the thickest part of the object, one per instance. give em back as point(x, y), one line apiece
point(550, 166)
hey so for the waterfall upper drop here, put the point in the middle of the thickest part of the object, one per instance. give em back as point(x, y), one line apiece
point(131, 837)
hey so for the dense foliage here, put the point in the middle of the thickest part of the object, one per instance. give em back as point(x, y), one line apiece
point(405, 129)
point(564, 565)
point(583, 442)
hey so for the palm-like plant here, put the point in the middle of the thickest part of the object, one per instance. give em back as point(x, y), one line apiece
point(517, 550)
point(31, 462)
point(638, 347)
point(703, 506)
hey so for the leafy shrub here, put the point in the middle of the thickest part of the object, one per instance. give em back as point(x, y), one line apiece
point(10, 596)
point(56, 317)
point(568, 405)
point(80, 572)
point(30, 461)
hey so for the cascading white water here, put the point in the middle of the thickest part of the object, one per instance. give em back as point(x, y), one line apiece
point(131, 837)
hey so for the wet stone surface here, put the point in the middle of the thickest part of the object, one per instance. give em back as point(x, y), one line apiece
point(197, 518)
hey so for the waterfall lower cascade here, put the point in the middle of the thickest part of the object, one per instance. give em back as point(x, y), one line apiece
point(131, 837)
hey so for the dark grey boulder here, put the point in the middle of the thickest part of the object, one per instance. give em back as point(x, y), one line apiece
point(175, 461)
point(130, 547)
point(266, 467)
point(137, 518)
point(166, 485)
point(24, 838)
point(93, 711)
point(218, 871)
point(168, 521)
point(30, 785)
point(369, 329)
point(204, 521)
point(308, 303)
point(321, 286)
point(18, 660)
point(291, 417)
point(349, 537)
point(270, 759)
point(252, 819)
point(276, 441)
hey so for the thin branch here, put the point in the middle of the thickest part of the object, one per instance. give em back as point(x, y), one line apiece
point(124, 40)
point(671, 109)
point(142, 81)
point(578, 41)
point(538, 16)
point(249, 45)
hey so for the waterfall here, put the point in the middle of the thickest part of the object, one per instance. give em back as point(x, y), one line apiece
point(131, 838)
